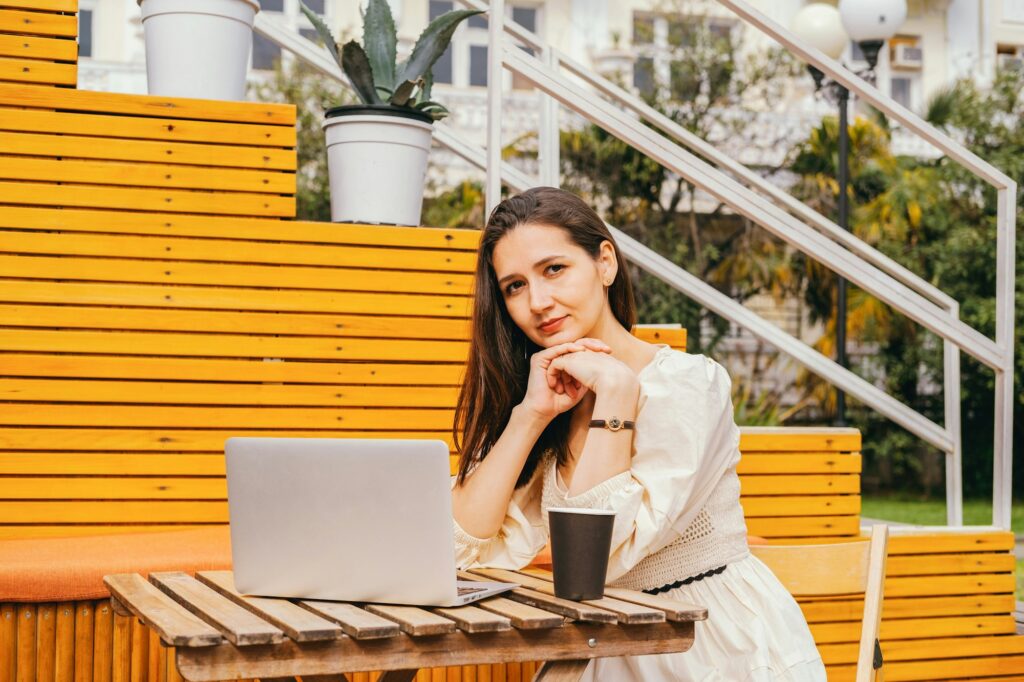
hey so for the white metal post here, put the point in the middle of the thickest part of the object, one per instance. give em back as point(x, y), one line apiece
point(550, 171)
point(1002, 444)
point(495, 55)
point(954, 456)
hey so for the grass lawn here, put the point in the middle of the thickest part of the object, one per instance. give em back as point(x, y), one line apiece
point(933, 512)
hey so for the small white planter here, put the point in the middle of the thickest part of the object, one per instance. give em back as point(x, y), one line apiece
point(198, 48)
point(377, 162)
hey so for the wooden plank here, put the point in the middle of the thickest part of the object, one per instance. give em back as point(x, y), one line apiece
point(253, 371)
point(113, 511)
point(931, 649)
point(281, 324)
point(809, 526)
point(673, 609)
point(113, 488)
point(175, 625)
point(561, 671)
point(982, 540)
point(949, 564)
point(37, 23)
point(46, 642)
point(103, 642)
point(249, 275)
point(816, 611)
point(302, 625)
point(231, 248)
point(239, 625)
point(800, 485)
point(185, 201)
point(474, 619)
point(138, 175)
point(916, 628)
point(116, 149)
point(628, 613)
point(42, 5)
point(122, 651)
point(676, 338)
point(8, 641)
point(795, 506)
point(81, 464)
point(413, 621)
point(25, 652)
point(86, 390)
point(790, 463)
point(39, 414)
point(797, 439)
point(522, 616)
point(64, 659)
point(563, 607)
point(233, 299)
point(37, 71)
point(84, 623)
point(926, 586)
point(36, 47)
point(262, 113)
point(354, 621)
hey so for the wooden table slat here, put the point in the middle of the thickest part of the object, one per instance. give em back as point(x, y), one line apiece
point(175, 625)
point(300, 624)
point(562, 607)
point(240, 626)
point(627, 613)
point(413, 621)
point(523, 616)
point(354, 621)
point(675, 610)
point(474, 619)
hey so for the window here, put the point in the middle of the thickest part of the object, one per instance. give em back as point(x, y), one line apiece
point(85, 33)
point(478, 65)
point(315, 5)
point(272, 5)
point(527, 18)
point(442, 67)
point(901, 90)
point(661, 42)
point(264, 53)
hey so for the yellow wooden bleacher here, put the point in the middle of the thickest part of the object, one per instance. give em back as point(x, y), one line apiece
point(155, 296)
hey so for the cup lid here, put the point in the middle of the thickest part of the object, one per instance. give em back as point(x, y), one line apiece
point(581, 510)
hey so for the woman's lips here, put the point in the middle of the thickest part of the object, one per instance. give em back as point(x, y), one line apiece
point(553, 325)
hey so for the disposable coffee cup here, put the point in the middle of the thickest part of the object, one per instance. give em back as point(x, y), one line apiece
point(580, 542)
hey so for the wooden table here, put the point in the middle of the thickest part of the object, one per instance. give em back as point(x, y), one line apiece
point(219, 634)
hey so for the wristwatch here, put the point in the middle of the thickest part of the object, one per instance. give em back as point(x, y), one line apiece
point(613, 424)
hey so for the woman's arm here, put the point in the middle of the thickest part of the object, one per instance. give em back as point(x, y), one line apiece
point(479, 504)
point(607, 453)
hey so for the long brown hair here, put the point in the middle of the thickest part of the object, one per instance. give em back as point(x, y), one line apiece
point(499, 365)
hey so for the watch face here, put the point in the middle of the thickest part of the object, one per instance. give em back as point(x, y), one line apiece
point(614, 424)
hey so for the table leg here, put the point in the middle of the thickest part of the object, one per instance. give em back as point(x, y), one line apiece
point(398, 676)
point(561, 671)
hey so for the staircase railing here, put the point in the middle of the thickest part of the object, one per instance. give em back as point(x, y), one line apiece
point(819, 238)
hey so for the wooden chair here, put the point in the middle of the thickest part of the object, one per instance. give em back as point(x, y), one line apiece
point(834, 569)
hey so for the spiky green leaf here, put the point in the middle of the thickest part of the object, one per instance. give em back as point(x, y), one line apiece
point(403, 93)
point(323, 31)
point(357, 67)
point(380, 41)
point(428, 85)
point(432, 43)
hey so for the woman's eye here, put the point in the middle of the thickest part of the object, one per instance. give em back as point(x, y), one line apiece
point(512, 288)
point(555, 268)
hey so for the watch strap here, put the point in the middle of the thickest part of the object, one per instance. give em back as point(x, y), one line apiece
point(613, 424)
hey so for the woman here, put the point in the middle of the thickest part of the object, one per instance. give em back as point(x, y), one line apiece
point(552, 364)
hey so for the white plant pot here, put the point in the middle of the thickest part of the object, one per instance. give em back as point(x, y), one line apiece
point(198, 48)
point(377, 163)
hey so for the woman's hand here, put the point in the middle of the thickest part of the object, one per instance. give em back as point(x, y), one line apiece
point(593, 371)
point(549, 393)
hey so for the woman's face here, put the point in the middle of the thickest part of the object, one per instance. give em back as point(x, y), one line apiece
point(553, 289)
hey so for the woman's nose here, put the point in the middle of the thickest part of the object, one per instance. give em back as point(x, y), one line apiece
point(540, 298)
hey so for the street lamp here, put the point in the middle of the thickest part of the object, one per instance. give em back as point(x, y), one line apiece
point(870, 23)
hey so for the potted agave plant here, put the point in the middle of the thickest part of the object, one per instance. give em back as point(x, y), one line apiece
point(377, 150)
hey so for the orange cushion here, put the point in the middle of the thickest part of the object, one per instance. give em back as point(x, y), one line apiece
point(72, 568)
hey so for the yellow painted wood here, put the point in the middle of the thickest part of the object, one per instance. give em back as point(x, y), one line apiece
point(112, 512)
point(147, 319)
point(103, 642)
point(37, 71)
point(37, 23)
point(65, 642)
point(278, 140)
point(794, 439)
point(800, 485)
point(174, 440)
point(8, 641)
point(233, 250)
point(676, 338)
point(144, 174)
point(948, 542)
point(931, 648)
point(789, 463)
point(36, 47)
point(25, 665)
point(114, 149)
point(918, 628)
point(109, 464)
point(121, 656)
point(232, 299)
point(42, 5)
point(232, 346)
point(963, 669)
point(459, 245)
point(264, 113)
point(46, 642)
point(258, 370)
point(925, 586)
point(793, 505)
point(806, 526)
point(97, 196)
point(113, 488)
point(84, 620)
point(949, 564)
point(143, 392)
point(34, 414)
point(215, 274)
point(817, 611)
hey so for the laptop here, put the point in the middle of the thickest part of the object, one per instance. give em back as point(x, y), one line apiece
point(345, 519)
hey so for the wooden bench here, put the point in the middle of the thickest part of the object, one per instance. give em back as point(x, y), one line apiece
point(38, 42)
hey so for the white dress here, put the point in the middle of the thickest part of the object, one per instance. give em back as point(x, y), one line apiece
point(678, 515)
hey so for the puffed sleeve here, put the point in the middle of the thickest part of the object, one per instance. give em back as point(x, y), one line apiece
point(685, 440)
point(522, 535)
